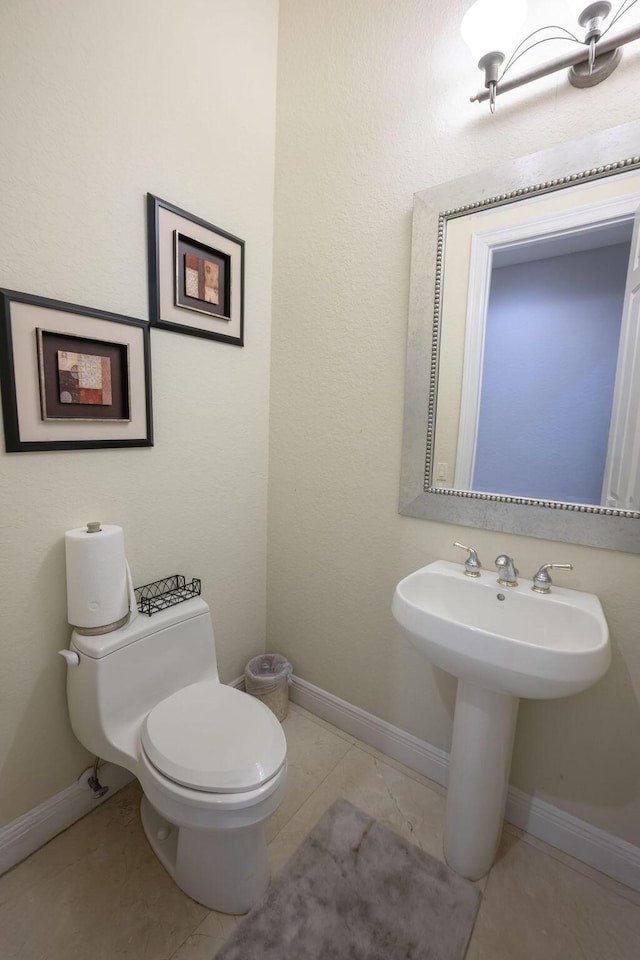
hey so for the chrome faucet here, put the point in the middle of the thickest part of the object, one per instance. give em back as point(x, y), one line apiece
point(506, 568)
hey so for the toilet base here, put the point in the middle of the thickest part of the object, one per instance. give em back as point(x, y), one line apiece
point(225, 870)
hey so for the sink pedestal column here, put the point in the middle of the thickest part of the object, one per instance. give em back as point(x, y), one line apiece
point(483, 731)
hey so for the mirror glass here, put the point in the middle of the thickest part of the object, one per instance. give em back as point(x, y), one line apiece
point(530, 363)
point(532, 395)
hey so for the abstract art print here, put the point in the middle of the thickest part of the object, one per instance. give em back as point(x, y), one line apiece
point(196, 275)
point(82, 379)
point(203, 278)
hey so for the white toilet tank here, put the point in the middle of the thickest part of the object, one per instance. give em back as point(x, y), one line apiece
point(123, 674)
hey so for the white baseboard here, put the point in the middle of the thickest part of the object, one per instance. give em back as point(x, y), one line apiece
point(392, 741)
point(22, 837)
point(609, 854)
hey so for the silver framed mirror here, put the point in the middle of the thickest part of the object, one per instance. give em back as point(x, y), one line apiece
point(595, 179)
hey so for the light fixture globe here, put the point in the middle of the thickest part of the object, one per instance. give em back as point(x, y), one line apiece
point(491, 26)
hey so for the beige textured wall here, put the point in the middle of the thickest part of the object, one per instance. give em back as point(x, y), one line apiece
point(373, 106)
point(100, 103)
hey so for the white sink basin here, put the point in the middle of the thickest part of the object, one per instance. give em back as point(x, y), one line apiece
point(507, 639)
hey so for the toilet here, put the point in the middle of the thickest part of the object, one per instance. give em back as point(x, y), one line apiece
point(211, 760)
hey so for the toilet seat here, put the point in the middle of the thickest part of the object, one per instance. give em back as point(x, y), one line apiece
point(214, 738)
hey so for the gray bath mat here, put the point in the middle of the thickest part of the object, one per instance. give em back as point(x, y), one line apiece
point(356, 891)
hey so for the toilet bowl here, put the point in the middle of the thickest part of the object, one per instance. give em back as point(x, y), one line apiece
point(211, 760)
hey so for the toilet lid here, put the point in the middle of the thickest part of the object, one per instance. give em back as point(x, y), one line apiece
point(214, 738)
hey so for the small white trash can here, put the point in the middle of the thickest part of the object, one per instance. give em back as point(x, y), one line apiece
point(267, 678)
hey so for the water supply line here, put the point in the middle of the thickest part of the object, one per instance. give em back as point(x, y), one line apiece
point(96, 787)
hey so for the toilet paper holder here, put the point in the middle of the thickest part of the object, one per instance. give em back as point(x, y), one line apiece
point(160, 594)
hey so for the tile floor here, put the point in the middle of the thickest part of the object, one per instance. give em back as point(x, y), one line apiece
point(96, 892)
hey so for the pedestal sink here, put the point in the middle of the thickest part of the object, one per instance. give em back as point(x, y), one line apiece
point(502, 644)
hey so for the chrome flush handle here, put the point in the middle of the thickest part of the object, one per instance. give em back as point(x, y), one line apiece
point(542, 580)
point(472, 565)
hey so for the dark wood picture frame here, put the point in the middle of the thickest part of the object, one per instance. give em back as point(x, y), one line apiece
point(39, 337)
point(179, 298)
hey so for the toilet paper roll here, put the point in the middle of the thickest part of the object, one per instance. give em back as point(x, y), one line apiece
point(97, 579)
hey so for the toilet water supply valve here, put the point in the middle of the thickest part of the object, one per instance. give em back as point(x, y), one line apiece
point(96, 787)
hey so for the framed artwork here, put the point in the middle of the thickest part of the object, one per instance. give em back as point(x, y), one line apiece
point(196, 275)
point(72, 377)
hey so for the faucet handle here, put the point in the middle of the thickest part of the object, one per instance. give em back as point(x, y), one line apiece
point(472, 565)
point(542, 580)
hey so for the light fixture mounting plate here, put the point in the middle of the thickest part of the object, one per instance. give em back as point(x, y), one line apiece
point(603, 67)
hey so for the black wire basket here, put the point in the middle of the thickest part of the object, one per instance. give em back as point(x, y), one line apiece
point(156, 596)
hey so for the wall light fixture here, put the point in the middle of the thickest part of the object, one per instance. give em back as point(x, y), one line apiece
point(490, 27)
